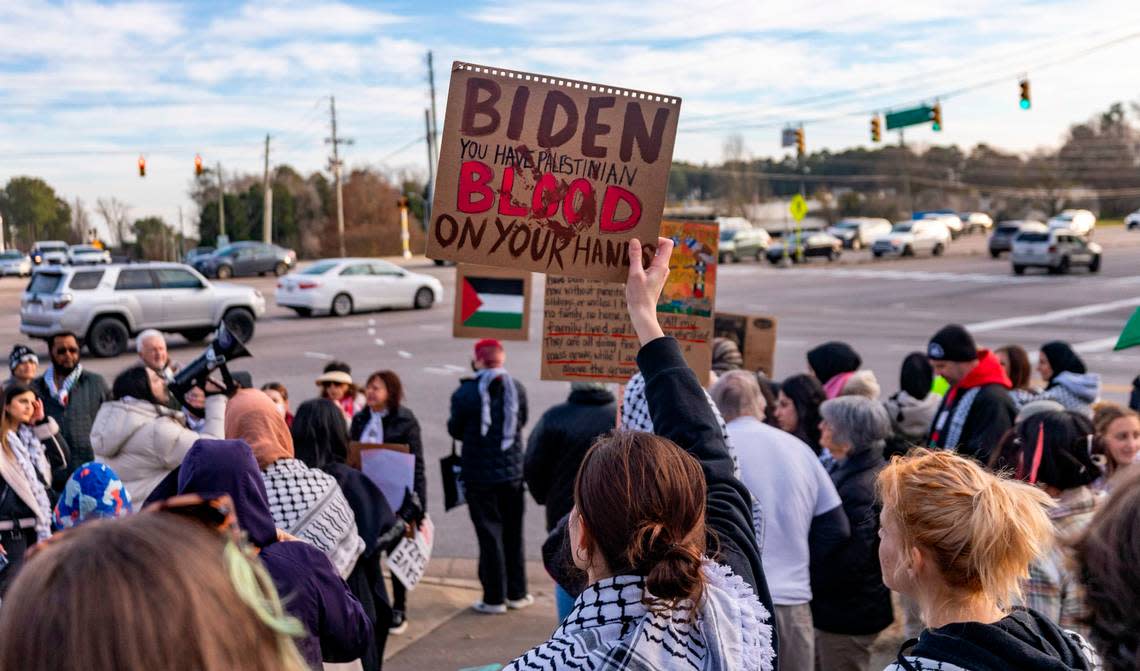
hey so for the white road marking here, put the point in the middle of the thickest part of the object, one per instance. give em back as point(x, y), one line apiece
point(371, 332)
point(320, 355)
point(1099, 345)
point(455, 369)
point(436, 370)
point(379, 341)
point(898, 275)
point(372, 322)
point(404, 355)
point(1052, 316)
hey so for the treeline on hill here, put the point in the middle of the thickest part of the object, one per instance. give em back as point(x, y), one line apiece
point(1096, 166)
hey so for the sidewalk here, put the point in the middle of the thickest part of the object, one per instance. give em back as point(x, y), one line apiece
point(444, 633)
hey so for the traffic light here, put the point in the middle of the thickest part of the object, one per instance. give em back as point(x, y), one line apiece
point(876, 129)
point(800, 150)
point(197, 165)
point(1025, 102)
point(142, 166)
point(936, 116)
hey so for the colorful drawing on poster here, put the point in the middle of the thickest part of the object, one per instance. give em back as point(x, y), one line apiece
point(491, 303)
point(691, 287)
point(548, 174)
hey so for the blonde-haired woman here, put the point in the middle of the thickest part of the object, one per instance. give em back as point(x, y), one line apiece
point(958, 540)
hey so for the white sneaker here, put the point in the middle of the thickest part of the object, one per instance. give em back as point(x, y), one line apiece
point(519, 604)
point(489, 608)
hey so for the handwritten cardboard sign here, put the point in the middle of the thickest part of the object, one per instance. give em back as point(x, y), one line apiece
point(491, 303)
point(587, 334)
point(549, 174)
point(755, 335)
point(409, 559)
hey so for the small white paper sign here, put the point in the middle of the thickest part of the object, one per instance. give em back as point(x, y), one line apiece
point(410, 558)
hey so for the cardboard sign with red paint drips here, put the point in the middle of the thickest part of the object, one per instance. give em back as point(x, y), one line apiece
point(549, 174)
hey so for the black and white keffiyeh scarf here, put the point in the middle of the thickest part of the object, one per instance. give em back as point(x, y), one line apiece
point(63, 391)
point(510, 404)
point(308, 503)
point(635, 417)
point(610, 628)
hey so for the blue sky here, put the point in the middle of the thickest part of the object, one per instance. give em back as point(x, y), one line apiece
point(86, 87)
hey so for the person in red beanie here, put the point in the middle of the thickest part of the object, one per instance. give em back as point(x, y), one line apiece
point(488, 412)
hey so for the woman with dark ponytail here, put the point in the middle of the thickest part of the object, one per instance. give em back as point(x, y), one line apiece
point(661, 529)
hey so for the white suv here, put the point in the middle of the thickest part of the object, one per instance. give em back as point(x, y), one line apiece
point(106, 305)
point(908, 238)
point(1081, 222)
point(1055, 249)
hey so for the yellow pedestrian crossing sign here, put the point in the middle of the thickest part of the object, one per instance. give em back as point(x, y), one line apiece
point(798, 207)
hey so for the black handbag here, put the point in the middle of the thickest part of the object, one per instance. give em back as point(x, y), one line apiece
point(451, 472)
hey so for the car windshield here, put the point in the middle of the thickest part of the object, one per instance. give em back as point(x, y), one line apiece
point(86, 249)
point(902, 228)
point(847, 224)
point(52, 247)
point(1033, 236)
point(1064, 216)
point(320, 267)
point(729, 234)
point(10, 254)
point(1008, 228)
point(44, 283)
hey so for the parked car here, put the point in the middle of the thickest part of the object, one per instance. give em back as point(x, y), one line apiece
point(243, 259)
point(106, 305)
point(859, 232)
point(342, 286)
point(87, 255)
point(1132, 221)
point(917, 236)
point(742, 243)
point(975, 222)
point(195, 254)
point(951, 220)
point(15, 262)
point(815, 243)
point(49, 252)
point(1056, 249)
point(1001, 240)
point(1081, 222)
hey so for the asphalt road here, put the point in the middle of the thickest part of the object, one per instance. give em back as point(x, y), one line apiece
point(883, 308)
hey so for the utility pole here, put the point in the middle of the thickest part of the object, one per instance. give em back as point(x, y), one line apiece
point(181, 236)
point(2, 248)
point(221, 208)
point(431, 169)
point(267, 215)
point(334, 163)
point(434, 129)
point(906, 173)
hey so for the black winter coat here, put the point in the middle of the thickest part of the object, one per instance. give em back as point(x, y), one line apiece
point(401, 428)
point(558, 444)
point(848, 594)
point(991, 415)
point(484, 462)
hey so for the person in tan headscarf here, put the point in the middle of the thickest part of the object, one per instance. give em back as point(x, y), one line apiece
point(305, 502)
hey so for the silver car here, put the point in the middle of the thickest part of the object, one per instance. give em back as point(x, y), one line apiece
point(87, 255)
point(15, 262)
point(1055, 249)
point(106, 305)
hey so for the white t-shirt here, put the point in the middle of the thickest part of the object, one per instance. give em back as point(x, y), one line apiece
point(784, 474)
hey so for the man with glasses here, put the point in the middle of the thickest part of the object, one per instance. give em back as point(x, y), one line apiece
point(71, 396)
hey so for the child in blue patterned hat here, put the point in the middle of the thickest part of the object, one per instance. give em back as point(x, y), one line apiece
point(93, 491)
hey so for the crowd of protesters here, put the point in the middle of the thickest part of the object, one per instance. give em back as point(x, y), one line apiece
point(755, 525)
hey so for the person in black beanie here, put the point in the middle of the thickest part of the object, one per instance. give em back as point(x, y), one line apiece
point(23, 364)
point(977, 410)
point(830, 360)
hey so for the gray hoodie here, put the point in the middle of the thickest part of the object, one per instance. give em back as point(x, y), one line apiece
point(1075, 391)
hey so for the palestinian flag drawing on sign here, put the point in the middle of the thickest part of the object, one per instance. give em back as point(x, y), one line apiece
point(492, 302)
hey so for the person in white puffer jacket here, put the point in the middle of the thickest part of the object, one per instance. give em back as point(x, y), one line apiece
point(142, 439)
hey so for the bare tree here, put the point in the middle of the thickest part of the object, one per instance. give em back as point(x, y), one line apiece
point(81, 227)
point(117, 214)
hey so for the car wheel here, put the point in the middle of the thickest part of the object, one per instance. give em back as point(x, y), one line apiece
point(439, 262)
point(225, 272)
point(341, 305)
point(196, 335)
point(1064, 267)
point(240, 322)
point(908, 251)
point(856, 244)
point(994, 254)
point(280, 269)
point(107, 337)
point(759, 256)
point(728, 257)
point(877, 255)
point(424, 299)
point(938, 249)
point(303, 312)
point(1018, 270)
point(1094, 265)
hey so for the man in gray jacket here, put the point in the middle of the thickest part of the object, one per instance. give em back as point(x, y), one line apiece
point(71, 396)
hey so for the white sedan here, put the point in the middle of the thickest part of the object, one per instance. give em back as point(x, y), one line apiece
point(343, 286)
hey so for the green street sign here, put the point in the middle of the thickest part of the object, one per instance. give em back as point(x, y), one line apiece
point(798, 207)
point(911, 117)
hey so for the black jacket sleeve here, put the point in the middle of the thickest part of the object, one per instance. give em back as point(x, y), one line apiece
point(681, 413)
point(991, 415)
point(828, 531)
point(345, 628)
point(457, 420)
point(524, 412)
point(536, 464)
point(416, 445)
point(359, 421)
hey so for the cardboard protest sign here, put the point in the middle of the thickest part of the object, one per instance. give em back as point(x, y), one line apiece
point(409, 559)
point(390, 466)
point(547, 174)
point(491, 303)
point(755, 335)
point(587, 334)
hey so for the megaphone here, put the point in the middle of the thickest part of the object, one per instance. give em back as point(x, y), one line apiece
point(223, 349)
